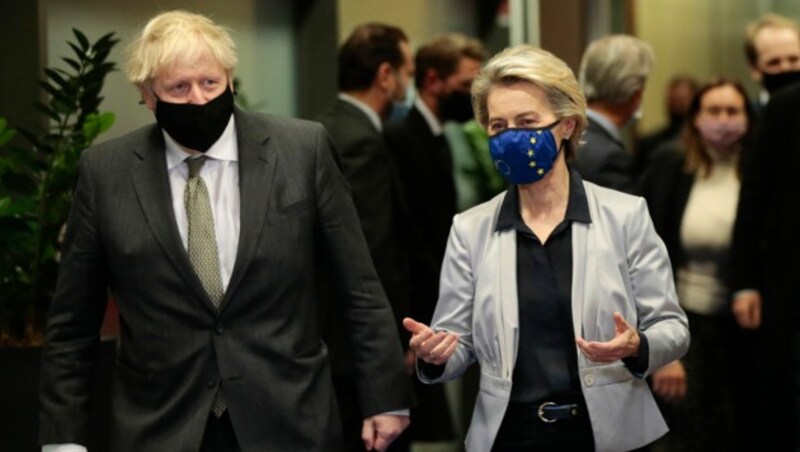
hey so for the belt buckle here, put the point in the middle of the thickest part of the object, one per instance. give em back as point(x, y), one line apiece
point(540, 412)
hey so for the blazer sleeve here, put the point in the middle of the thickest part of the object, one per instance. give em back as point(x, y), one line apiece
point(454, 309)
point(660, 317)
point(72, 332)
point(377, 354)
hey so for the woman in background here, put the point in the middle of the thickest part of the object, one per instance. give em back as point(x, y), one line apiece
point(692, 194)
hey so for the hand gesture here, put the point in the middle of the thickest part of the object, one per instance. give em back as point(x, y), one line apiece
point(625, 343)
point(430, 346)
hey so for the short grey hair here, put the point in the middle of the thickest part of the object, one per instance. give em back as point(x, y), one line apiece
point(615, 67)
point(528, 64)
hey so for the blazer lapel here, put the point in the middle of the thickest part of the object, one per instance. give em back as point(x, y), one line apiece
point(256, 174)
point(509, 299)
point(581, 266)
point(151, 182)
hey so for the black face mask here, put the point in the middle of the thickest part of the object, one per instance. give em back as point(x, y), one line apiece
point(775, 82)
point(456, 106)
point(196, 127)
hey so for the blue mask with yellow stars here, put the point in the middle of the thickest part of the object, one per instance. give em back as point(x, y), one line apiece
point(524, 156)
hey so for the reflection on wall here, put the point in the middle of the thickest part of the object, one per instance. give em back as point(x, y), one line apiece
point(420, 19)
point(701, 38)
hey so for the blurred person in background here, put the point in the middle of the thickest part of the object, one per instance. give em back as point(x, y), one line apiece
point(613, 73)
point(375, 68)
point(772, 48)
point(692, 193)
point(679, 95)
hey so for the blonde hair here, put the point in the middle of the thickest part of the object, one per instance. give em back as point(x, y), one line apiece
point(615, 67)
point(769, 20)
point(525, 63)
point(178, 37)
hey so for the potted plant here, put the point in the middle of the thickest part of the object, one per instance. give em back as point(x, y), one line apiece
point(36, 183)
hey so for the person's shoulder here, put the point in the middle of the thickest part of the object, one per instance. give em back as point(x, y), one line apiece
point(277, 125)
point(124, 144)
point(786, 98)
point(481, 216)
point(610, 198)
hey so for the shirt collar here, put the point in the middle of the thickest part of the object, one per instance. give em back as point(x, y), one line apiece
point(430, 118)
point(577, 206)
point(223, 149)
point(371, 114)
point(603, 122)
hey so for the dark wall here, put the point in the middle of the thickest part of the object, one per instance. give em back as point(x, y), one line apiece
point(22, 45)
point(316, 36)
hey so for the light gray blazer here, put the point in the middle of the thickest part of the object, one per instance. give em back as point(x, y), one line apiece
point(619, 264)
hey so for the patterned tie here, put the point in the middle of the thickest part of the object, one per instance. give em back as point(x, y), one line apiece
point(203, 246)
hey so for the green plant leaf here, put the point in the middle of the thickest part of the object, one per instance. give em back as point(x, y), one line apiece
point(37, 178)
point(7, 135)
point(78, 52)
point(57, 78)
point(81, 39)
point(74, 64)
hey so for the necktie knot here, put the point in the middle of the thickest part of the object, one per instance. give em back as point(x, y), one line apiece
point(195, 164)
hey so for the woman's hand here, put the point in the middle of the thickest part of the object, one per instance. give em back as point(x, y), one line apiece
point(625, 343)
point(669, 382)
point(430, 346)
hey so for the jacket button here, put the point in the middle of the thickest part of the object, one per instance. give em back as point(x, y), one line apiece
point(588, 379)
point(219, 328)
point(212, 382)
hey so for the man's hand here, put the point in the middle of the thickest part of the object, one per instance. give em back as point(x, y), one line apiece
point(669, 382)
point(747, 309)
point(430, 346)
point(380, 430)
point(625, 343)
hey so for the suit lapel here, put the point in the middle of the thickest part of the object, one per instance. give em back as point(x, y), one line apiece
point(509, 298)
point(581, 266)
point(256, 174)
point(151, 182)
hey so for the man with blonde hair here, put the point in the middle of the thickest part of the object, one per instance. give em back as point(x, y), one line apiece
point(206, 228)
point(772, 47)
point(613, 74)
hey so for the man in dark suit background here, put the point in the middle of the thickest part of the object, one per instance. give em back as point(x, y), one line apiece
point(444, 70)
point(772, 48)
point(206, 228)
point(613, 73)
point(375, 67)
point(766, 268)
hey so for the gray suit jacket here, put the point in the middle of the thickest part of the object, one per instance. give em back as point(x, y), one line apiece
point(619, 264)
point(263, 346)
point(603, 159)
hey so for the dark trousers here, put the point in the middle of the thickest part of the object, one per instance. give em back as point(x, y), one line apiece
point(219, 435)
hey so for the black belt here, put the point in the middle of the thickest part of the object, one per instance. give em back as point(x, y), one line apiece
point(549, 412)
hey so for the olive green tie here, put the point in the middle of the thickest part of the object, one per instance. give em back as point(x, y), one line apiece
point(202, 238)
point(203, 246)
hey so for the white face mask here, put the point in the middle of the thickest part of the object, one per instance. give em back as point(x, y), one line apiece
point(721, 134)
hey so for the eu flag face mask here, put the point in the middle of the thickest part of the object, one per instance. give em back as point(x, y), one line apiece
point(524, 156)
